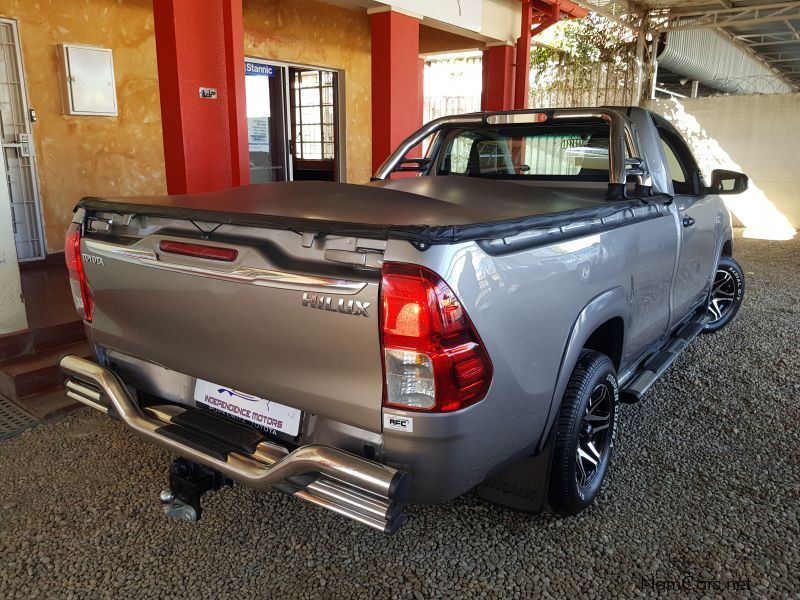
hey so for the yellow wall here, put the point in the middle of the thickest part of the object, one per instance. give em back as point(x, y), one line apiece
point(317, 34)
point(80, 156)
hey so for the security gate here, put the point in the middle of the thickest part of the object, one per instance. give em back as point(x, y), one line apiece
point(17, 147)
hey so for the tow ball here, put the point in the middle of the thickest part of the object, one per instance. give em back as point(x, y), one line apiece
point(188, 482)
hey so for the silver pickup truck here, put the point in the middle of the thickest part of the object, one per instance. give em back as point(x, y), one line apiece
point(470, 318)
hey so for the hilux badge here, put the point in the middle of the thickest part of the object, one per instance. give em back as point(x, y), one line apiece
point(347, 307)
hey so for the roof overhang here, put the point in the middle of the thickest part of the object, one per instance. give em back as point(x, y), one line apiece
point(768, 29)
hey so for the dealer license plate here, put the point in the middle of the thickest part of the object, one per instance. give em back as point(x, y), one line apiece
point(259, 411)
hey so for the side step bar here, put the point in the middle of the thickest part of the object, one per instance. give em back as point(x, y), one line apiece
point(655, 366)
point(354, 487)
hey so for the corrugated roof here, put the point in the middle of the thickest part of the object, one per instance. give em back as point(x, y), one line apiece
point(713, 58)
point(770, 29)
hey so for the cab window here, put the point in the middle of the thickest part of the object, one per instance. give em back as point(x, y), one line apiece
point(682, 169)
point(576, 152)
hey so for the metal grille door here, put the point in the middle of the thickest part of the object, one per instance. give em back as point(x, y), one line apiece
point(17, 147)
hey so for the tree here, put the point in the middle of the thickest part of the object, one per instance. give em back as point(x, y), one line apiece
point(585, 62)
point(589, 40)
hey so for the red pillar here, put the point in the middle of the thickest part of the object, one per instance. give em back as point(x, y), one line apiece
point(421, 85)
point(522, 83)
point(396, 82)
point(201, 45)
point(498, 78)
point(237, 107)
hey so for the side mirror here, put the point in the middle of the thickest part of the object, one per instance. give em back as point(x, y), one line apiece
point(728, 182)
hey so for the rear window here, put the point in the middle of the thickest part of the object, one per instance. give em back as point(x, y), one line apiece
point(579, 153)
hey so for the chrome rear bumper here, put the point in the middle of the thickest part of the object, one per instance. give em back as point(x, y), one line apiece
point(362, 490)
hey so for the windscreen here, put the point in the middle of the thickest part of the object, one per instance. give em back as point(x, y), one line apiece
point(567, 152)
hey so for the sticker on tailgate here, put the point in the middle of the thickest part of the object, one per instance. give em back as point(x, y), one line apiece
point(265, 413)
point(398, 423)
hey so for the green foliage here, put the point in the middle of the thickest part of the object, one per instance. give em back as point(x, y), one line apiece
point(583, 41)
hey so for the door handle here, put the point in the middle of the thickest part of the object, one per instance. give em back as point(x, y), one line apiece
point(688, 221)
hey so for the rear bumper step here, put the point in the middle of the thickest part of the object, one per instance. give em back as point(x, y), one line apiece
point(354, 487)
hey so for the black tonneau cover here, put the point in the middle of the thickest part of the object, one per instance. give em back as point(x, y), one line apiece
point(431, 210)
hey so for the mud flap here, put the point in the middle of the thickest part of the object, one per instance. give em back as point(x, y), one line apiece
point(521, 486)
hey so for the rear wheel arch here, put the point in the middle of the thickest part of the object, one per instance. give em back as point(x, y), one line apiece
point(727, 248)
point(607, 309)
point(608, 339)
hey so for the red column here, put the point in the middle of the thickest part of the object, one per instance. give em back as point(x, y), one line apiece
point(421, 86)
point(396, 82)
point(201, 45)
point(498, 78)
point(237, 107)
point(522, 82)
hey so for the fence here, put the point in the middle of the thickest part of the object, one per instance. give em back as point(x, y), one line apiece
point(566, 85)
point(452, 85)
point(442, 106)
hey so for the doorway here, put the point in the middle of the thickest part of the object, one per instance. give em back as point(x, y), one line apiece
point(314, 100)
point(293, 122)
point(17, 147)
point(266, 122)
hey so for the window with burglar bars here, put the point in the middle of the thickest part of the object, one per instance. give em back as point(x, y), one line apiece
point(313, 100)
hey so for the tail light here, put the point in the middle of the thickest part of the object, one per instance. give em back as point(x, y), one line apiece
point(81, 294)
point(433, 358)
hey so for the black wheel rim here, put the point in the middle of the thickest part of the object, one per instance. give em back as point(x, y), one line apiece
point(594, 435)
point(723, 293)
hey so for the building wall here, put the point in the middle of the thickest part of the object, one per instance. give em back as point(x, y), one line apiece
point(435, 41)
point(80, 156)
point(756, 135)
point(124, 155)
point(312, 33)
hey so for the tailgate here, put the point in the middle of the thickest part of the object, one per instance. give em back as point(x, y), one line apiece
point(293, 318)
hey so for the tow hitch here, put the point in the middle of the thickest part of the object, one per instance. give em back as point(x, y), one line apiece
point(188, 482)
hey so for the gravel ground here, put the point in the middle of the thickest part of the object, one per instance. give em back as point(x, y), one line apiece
point(703, 490)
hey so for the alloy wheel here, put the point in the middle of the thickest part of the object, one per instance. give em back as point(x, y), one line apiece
point(593, 438)
point(723, 293)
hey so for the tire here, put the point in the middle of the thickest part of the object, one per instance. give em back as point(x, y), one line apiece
point(585, 433)
point(727, 293)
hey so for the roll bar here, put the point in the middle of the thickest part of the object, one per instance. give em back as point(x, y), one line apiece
point(622, 136)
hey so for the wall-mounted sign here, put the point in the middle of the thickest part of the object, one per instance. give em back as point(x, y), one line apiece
point(258, 69)
point(208, 93)
point(467, 14)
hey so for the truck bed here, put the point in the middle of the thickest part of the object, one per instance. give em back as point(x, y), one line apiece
point(431, 210)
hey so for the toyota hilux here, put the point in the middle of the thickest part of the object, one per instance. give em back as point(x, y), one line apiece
point(470, 318)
